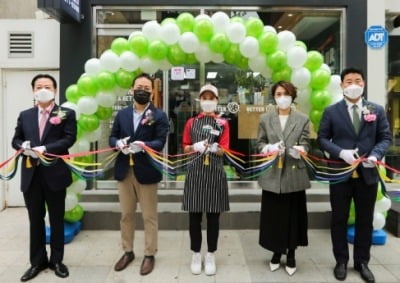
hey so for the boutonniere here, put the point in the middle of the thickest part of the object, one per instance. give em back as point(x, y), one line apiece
point(148, 118)
point(220, 122)
point(59, 116)
point(368, 113)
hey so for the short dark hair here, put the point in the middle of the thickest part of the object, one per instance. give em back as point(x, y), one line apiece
point(46, 76)
point(288, 86)
point(144, 75)
point(351, 70)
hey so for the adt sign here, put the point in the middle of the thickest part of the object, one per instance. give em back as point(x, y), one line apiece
point(376, 36)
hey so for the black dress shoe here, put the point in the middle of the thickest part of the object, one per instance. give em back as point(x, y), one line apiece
point(365, 272)
point(33, 271)
point(60, 269)
point(340, 271)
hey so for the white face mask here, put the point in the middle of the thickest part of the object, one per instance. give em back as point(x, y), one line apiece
point(283, 101)
point(208, 105)
point(44, 95)
point(353, 91)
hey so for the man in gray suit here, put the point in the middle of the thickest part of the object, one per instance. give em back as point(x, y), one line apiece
point(350, 128)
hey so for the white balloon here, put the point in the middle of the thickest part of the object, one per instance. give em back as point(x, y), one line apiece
point(266, 72)
point(72, 106)
point(47, 219)
point(92, 66)
point(189, 42)
point(258, 63)
point(106, 99)
point(326, 68)
point(148, 66)
point(110, 61)
point(220, 21)
point(217, 57)
point(296, 57)
point(135, 33)
point(334, 84)
point(129, 61)
point(120, 91)
point(170, 33)
point(249, 47)
point(203, 53)
point(93, 136)
point(164, 65)
point(87, 105)
point(77, 187)
point(236, 32)
point(71, 200)
point(383, 204)
point(269, 29)
point(379, 221)
point(201, 17)
point(300, 77)
point(286, 40)
point(151, 30)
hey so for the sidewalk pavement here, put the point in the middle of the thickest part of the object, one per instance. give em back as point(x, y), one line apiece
point(92, 255)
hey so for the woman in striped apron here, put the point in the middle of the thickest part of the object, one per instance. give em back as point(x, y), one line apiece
point(206, 186)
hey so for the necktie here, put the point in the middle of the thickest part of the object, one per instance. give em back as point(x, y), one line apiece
point(43, 120)
point(356, 118)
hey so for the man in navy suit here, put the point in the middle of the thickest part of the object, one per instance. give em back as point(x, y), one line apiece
point(134, 127)
point(351, 128)
point(46, 127)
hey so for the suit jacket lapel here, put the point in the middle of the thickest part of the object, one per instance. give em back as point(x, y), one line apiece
point(343, 112)
point(276, 126)
point(290, 124)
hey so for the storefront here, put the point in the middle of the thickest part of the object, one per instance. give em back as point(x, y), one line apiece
point(333, 28)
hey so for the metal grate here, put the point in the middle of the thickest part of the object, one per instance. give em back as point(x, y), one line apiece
point(20, 44)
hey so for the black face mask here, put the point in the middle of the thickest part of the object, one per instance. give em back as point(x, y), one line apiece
point(141, 96)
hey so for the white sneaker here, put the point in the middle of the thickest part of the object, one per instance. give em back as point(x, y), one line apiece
point(209, 264)
point(195, 266)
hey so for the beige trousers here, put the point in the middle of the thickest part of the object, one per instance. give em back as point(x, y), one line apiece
point(130, 193)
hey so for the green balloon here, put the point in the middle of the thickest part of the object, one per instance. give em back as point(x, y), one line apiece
point(168, 21)
point(314, 60)
point(242, 62)
point(382, 170)
point(84, 159)
point(72, 93)
point(176, 56)
point(320, 99)
point(232, 53)
point(87, 85)
point(379, 194)
point(124, 78)
point(105, 80)
point(157, 50)
point(281, 75)
point(254, 27)
point(104, 113)
point(88, 123)
point(119, 45)
point(268, 42)
point(219, 43)
point(320, 79)
point(79, 132)
point(191, 58)
point(139, 45)
point(315, 116)
point(301, 44)
point(204, 29)
point(185, 22)
point(237, 20)
point(277, 60)
point(74, 214)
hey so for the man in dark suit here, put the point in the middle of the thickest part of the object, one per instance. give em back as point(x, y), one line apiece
point(351, 128)
point(134, 127)
point(46, 127)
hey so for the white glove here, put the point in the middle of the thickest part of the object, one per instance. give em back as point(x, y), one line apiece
point(122, 145)
point(136, 146)
point(26, 147)
point(213, 147)
point(295, 151)
point(279, 146)
point(199, 146)
point(41, 149)
point(370, 162)
point(348, 155)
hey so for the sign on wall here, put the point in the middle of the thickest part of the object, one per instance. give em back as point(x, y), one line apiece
point(376, 37)
point(62, 10)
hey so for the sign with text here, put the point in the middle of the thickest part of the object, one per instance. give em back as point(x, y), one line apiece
point(376, 37)
point(62, 10)
point(177, 73)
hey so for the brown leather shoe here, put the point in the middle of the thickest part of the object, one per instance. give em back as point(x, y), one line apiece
point(124, 261)
point(147, 265)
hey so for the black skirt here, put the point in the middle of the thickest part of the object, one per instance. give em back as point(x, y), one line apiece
point(283, 221)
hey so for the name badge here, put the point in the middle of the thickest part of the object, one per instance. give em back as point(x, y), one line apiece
point(215, 132)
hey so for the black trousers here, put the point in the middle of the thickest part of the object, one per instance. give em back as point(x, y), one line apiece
point(364, 197)
point(36, 197)
point(195, 219)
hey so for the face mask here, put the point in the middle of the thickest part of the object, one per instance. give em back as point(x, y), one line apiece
point(141, 96)
point(353, 91)
point(44, 95)
point(208, 105)
point(283, 102)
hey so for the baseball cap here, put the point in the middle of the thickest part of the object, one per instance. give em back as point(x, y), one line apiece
point(209, 88)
